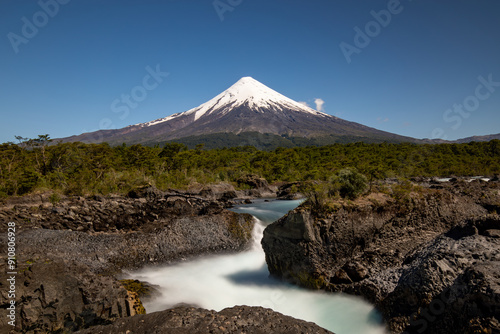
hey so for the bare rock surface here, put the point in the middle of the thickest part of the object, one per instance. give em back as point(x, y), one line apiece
point(188, 320)
point(402, 255)
point(61, 297)
point(450, 284)
point(70, 253)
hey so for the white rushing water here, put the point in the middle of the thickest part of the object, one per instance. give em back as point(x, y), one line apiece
point(218, 282)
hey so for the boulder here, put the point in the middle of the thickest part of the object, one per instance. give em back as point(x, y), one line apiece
point(64, 296)
point(288, 191)
point(145, 192)
point(255, 182)
point(450, 285)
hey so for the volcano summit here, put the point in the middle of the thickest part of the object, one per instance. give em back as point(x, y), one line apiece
point(248, 106)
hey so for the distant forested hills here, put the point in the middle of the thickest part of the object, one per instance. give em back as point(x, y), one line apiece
point(268, 141)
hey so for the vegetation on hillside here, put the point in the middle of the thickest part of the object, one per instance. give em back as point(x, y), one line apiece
point(268, 141)
point(84, 169)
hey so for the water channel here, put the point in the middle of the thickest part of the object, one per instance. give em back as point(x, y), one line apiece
point(221, 281)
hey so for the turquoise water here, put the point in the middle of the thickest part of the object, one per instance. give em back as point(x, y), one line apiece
point(217, 282)
point(267, 212)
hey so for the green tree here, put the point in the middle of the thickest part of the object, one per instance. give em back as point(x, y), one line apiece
point(170, 150)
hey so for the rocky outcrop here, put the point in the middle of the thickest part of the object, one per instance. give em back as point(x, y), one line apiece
point(110, 234)
point(63, 296)
point(143, 209)
point(289, 191)
point(221, 192)
point(188, 320)
point(166, 241)
point(251, 186)
point(69, 253)
point(451, 283)
point(255, 182)
point(380, 247)
point(318, 252)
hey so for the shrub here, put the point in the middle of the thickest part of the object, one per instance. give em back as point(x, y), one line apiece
point(350, 183)
point(317, 195)
point(54, 198)
point(27, 182)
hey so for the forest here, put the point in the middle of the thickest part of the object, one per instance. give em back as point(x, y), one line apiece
point(84, 169)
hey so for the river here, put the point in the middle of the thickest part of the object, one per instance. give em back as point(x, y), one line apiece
point(217, 282)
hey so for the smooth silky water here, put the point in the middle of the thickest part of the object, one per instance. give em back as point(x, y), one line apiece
point(218, 282)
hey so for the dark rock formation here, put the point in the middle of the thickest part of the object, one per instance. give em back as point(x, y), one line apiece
point(69, 253)
point(449, 284)
point(223, 192)
point(159, 229)
point(289, 191)
point(56, 296)
point(144, 209)
point(381, 248)
point(188, 320)
point(252, 187)
point(254, 181)
point(312, 251)
point(164, 243)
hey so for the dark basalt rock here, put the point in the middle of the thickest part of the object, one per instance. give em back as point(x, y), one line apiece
point(145, 192)
point(63, 296)
point(188, 320)
point(163, 241)
point(254, 181)
point(144, 209)
point(69, 254)
point(228, 195)
point(451, 285)
point(288, 191)
point(402, 256)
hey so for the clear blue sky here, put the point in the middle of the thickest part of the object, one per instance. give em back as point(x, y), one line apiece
point(62, 78)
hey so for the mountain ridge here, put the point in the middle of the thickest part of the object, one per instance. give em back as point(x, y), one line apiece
point(478, 138)
point(247, 106)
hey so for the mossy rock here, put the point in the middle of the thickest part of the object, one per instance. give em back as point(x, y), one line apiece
point(309, 281)
point(137, 306)
point(142, 289)
point(240, 226)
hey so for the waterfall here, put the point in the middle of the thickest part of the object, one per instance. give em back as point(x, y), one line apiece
point(218, 282)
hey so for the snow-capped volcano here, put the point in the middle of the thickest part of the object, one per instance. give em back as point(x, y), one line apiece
point(246, 106)
point(249, 91)
point(246, 91)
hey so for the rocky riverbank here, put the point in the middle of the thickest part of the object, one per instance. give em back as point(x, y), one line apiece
point(71, 250)
point(188, 320)
point(429, 258)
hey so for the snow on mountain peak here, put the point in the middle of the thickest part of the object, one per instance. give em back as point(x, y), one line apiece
point(255, 94)
point(246, 90)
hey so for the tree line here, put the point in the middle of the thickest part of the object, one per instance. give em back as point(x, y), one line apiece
point(83, 169)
